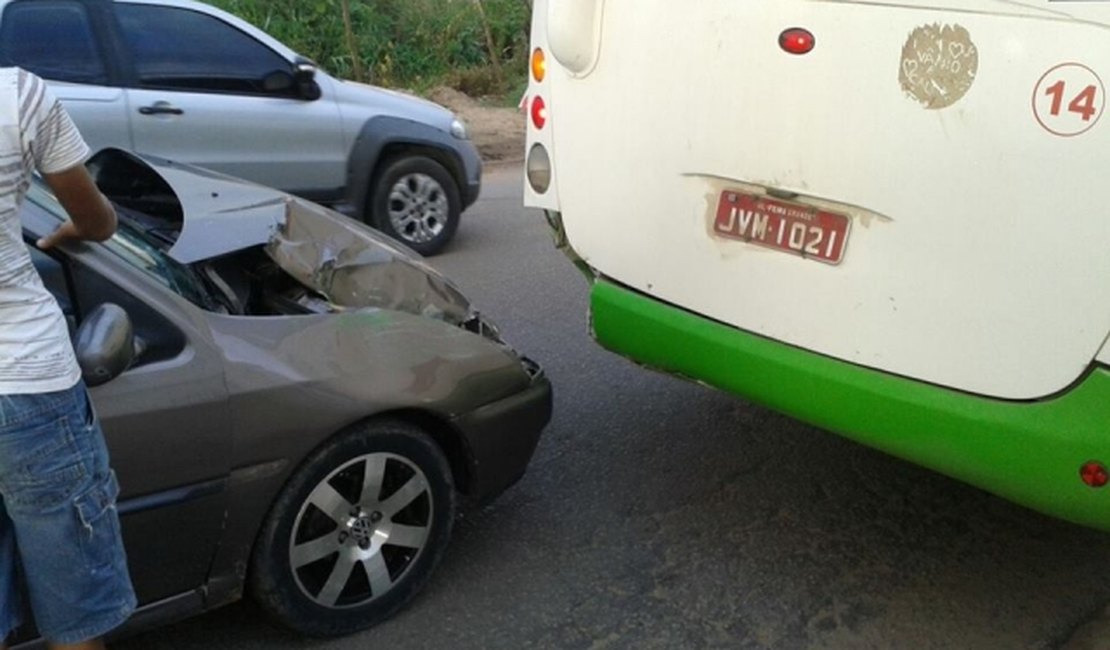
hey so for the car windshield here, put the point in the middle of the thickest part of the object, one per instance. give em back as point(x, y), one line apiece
point(136, 248)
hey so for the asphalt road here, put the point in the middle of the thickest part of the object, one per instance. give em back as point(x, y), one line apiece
point(661, 514)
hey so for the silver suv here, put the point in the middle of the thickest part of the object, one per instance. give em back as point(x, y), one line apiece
point(192, 83)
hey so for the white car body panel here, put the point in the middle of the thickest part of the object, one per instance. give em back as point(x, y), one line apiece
point(100, 112)
point(307, 149)
point(977, 251)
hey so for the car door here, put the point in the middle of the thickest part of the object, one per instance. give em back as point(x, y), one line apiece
point(199, 96)
point(62, 42)
point(166, 418)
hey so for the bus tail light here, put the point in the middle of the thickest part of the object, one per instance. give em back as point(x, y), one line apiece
point(539, 112)
point(538, 168)
point(797, 41)
point(539, 65)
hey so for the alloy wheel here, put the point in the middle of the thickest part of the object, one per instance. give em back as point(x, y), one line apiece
point(360, 530)
point(418, 208)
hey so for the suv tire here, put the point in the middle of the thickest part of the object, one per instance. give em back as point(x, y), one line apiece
point(416, 201)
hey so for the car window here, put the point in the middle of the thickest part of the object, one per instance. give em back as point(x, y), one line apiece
point(78, 290)
point(53, 39)
point(188, 50)
point(135, 248)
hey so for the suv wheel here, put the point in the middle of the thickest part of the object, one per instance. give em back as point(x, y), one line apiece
point(416, 201)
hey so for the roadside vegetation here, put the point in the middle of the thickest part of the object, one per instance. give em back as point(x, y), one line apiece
point(479, 47)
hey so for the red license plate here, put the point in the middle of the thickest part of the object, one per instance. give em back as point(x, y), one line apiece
point(782, 225)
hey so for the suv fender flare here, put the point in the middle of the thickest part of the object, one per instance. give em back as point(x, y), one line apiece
point(385, 137)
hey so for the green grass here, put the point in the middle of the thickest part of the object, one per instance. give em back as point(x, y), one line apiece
point(414, 44)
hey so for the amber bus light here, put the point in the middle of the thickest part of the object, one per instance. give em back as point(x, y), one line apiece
point(539, 65)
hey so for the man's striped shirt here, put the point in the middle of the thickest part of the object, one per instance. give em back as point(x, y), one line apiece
point(36, 355)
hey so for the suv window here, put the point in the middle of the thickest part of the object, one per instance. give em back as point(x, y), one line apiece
point(53, 39)
point(188, 50)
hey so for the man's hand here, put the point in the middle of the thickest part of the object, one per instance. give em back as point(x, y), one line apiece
point(92, 217)
point(65, 232)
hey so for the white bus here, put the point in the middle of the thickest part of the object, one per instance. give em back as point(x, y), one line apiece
point(888, 218)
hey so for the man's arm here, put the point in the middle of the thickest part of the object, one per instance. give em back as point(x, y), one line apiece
point(58, 151)
point(92, 217)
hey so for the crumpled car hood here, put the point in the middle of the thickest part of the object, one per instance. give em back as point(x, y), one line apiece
point(347, 262)
point(353, 266)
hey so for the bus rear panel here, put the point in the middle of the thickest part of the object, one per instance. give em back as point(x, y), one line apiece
point(884, 218)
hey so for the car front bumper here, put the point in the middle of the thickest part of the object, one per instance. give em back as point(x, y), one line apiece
point(502, 436)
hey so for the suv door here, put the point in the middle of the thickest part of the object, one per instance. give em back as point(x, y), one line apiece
point(59, 40)
point(198, 96)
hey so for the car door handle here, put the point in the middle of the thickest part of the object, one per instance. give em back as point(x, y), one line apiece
point(161, 108)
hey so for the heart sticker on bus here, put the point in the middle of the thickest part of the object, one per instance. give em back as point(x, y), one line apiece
point(939, 64)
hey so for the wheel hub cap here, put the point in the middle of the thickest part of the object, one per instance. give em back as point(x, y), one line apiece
point(360, 530)
point(417, 208)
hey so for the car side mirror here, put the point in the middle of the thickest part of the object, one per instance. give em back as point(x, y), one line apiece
point(278, 81)
point(304, 76)
point(105, 344)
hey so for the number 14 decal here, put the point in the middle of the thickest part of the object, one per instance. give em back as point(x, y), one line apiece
point(1069, 99)
point(1083, 103)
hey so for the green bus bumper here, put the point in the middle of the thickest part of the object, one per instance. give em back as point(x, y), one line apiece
point(1027, 452)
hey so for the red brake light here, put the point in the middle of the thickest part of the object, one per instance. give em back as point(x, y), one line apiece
point(797, 41)
point(1094, 474)
point(539, 112)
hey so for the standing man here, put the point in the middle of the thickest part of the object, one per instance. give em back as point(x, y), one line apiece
point(58, 515)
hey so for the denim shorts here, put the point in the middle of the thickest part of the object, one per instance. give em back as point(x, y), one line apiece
point(59, 529)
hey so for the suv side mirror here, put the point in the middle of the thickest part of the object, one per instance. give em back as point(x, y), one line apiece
point(105, 344)
point(304, 75)
point(278, 81)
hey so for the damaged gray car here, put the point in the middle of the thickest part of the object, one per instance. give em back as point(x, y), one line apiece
point(296, 406)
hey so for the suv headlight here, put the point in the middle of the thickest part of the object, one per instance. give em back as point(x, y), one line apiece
point(458, 129)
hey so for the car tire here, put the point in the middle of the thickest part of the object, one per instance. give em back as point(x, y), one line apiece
point(356, 532)
point(416, 201)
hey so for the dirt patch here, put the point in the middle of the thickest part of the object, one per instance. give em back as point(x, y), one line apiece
point(497, 132)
